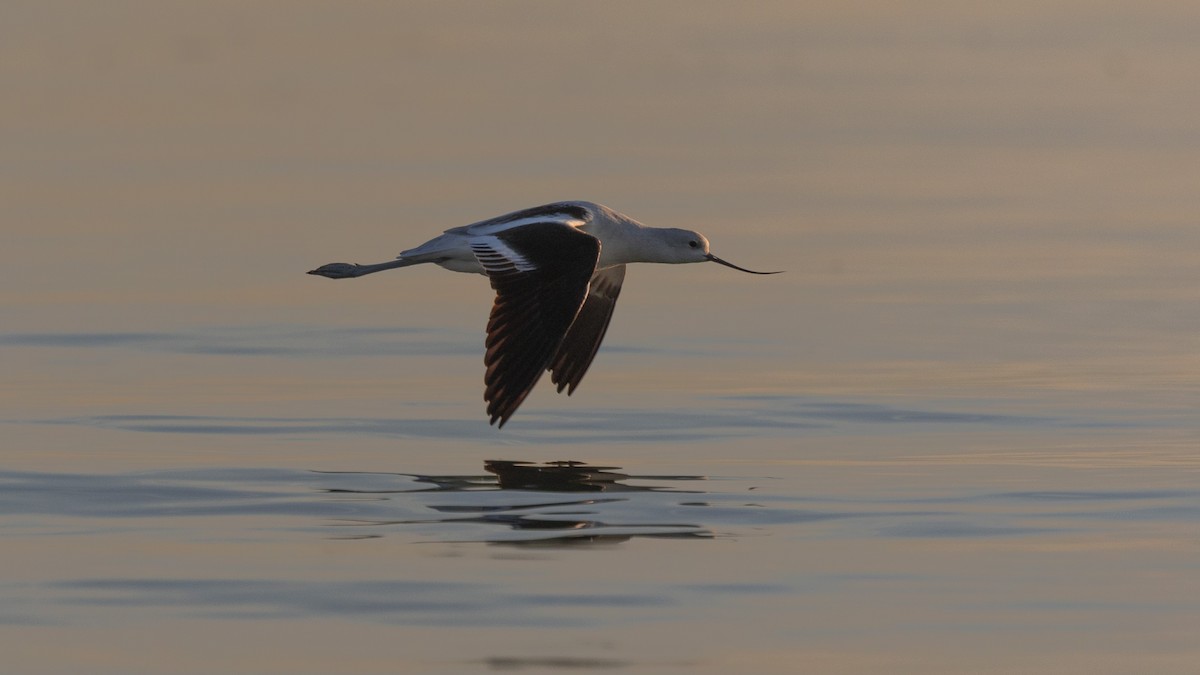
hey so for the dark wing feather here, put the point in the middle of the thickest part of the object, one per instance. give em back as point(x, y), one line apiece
point(534, 307)
point(579, 347)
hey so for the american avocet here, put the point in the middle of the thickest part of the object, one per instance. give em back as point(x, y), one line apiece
point(557, 271)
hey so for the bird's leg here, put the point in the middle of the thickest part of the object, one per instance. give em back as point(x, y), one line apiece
point(350, 270)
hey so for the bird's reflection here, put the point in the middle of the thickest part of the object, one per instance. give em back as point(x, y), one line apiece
point(508, 497)
point(566, 476)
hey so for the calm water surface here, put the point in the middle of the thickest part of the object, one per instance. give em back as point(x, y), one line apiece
point(959, 435)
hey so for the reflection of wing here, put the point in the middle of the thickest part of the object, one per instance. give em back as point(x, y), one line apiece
point(579, 347)
point(540, 272)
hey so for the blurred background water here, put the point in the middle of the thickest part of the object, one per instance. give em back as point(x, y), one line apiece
point(959, 435)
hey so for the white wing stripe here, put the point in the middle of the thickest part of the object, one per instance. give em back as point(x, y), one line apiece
point(495, 228)
point(495, 255)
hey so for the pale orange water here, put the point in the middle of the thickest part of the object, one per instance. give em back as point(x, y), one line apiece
point(959, 435)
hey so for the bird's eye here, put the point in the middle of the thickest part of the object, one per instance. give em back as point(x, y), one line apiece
point(693, 243)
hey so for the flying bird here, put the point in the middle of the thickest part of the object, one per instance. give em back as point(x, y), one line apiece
point(557, 271)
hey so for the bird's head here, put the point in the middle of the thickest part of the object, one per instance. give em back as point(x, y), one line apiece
point(687, 246)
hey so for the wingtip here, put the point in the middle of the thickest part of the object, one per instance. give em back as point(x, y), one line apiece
point(500, 416)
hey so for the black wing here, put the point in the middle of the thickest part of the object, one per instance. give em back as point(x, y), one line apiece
point(579, 347)
point(540, 272)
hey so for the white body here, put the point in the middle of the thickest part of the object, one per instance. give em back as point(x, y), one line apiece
point(623, 240)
